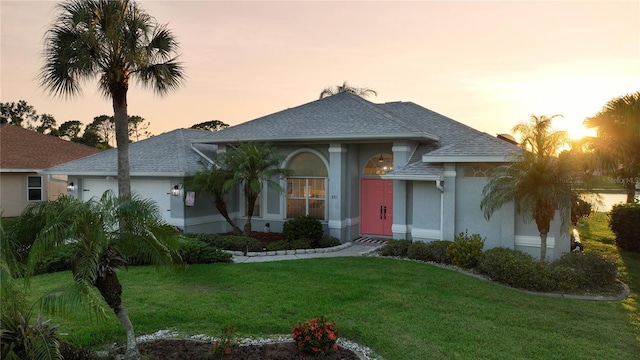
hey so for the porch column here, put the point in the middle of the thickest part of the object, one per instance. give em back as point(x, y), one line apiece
point(337, 191)
point(449, 202)
point(401, 153)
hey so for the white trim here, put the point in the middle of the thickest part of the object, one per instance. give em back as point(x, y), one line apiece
point(430, 234)
point(353, 221)
point(411, 177)
point(20, 170)
point(449, 173)
point(337, 148)
point(533, 241)
point(337, 224)
point(400, 148)
point(398, 228)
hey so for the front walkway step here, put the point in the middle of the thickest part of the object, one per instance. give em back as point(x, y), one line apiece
point(370, 241)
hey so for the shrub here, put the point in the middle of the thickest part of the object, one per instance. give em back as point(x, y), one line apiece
point(465, 250)
point(397, 248)
point(229, 242)
point(583, 272)
point(302, 227)
point(23, 339)
point(435, 251)
point(316, 336)
point(58, 259)
point(623, 221)
point(223, 346)
point(516, 269)
point(195, 251)
point(326, 241)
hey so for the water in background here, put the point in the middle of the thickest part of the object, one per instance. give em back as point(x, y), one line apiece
point(603, 202)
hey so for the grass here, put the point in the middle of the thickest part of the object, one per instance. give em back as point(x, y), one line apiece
point(400, 309)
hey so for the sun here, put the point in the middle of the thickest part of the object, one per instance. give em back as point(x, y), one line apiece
point(574, 128)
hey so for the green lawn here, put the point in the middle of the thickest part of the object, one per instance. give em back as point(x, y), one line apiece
point(400, 309)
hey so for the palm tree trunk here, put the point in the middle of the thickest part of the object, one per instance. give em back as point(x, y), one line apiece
point(122, 138)
point(251, 203)
point(543, 246)
point(111, 290)
point(630, 187)
point(221, 205)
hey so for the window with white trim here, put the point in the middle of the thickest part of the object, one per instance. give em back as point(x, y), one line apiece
point(306, 190)
point(34, 188)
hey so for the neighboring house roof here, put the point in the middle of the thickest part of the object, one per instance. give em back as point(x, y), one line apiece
point(23, 150)
point(167, 154)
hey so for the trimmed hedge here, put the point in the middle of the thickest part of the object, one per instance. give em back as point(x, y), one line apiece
point(623, 222)
point(397, 248)
point(435, 251)
point(302, 227)
point(195, 251)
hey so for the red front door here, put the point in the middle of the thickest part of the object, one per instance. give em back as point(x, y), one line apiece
point(376, 207)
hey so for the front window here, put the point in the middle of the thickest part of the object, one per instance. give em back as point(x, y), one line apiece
point(34, 188)
point(306, 191)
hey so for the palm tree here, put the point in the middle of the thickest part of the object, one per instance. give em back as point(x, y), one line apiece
point(116, 41)
point(108, 233)
point(617, 145)
point(537, 135)
point(210, 180)
point(537, 181)
point(362, 92)
point(250, 165)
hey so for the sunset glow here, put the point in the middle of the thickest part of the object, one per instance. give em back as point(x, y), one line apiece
point(487, 64)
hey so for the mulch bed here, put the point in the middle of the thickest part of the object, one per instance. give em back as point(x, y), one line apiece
point(179, 349)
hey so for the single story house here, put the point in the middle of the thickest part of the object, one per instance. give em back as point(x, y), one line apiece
point(23, 155)
point(395, 170)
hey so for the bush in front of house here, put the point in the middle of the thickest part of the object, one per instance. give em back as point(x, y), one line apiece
point(229, 242)
point(584, 272)
point(516, 269)
point(302, 227)
point(623, 222)
point(435, 251)
point(327, 241)
point(195, 251)
point(58, 259)
point(465, 251)
point(397, 248)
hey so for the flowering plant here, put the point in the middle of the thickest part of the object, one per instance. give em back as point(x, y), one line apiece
point(224, 345)
point(316, 336)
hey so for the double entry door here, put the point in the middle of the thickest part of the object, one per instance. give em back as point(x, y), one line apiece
point(376, 207)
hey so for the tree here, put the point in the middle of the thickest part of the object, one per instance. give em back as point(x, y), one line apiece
point(47, 125)
point(70, 129)
point(252, 164)
point(617, 144)
point(213, 125)
point(210, 181)
point(17, 113)
point(537, 135)
point(362, 92)
point(108, 233)
point(537, 180)
point(104, 127)
point(116, 41)
point(138, 128)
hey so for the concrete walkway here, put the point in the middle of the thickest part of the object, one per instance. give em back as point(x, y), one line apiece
point(346, 249)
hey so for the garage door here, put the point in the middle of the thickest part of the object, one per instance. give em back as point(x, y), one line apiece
point(157, 190)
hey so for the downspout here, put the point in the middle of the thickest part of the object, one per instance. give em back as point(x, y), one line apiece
point(439, 186)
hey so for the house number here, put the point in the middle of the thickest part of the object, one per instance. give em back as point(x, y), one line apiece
point(334, 196)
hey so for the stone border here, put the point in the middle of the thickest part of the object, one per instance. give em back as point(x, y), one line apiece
point(291, 252)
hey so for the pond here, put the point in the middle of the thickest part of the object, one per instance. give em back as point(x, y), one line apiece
point(603, 202)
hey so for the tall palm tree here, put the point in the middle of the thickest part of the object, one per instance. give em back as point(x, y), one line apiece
point(108, 233)
point(252, 164)
point(617, 144)
point(537, 135)
point(115, 41)
point(537, 180)
point(362, 92)
point(210, 180)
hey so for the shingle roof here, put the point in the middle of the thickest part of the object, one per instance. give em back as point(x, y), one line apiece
point(167, 154)
point(341, 116)
point(29, 150)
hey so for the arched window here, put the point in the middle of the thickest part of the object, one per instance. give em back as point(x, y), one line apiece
point(379, 164)
point(306, 188)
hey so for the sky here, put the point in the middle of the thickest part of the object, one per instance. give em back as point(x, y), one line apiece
point(487, 64)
